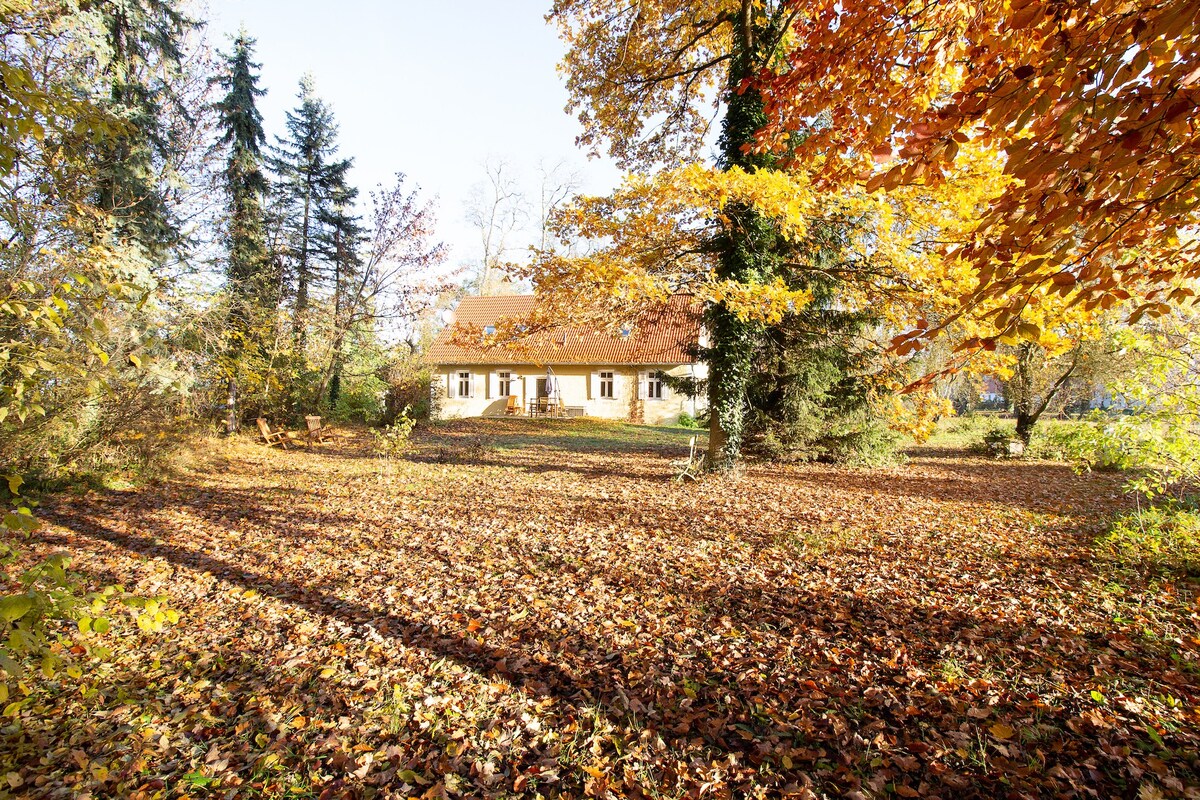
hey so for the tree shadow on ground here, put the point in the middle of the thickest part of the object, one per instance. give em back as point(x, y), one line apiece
point(766, 673)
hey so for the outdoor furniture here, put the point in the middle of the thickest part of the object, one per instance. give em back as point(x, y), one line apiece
point(689, 468)
point(272, 437)
point(316, 433)
point(514, 406)
point(544, 407)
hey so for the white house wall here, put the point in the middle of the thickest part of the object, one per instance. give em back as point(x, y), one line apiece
point(579, 386)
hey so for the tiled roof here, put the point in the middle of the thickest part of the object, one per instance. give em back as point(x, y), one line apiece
point(661, 336)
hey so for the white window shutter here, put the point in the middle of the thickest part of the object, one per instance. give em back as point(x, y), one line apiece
point(471, 384)
point(450, 378)
point(593, 386)
point(641, 387)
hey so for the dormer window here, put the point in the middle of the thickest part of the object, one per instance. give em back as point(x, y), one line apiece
point(626, 331)
point(490, 330)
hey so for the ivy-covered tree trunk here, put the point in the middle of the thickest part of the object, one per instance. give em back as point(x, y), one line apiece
point(748, 254)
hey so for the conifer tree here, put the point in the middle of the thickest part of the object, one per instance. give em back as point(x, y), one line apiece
point(251, 282)
point(342, 236)
point(145, 49)
point(247, 268)
point(810, 394)
point(311, 180)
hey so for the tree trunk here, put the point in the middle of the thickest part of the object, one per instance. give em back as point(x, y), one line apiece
point(1025, 423)
point(746, 256)
point(231, 422)
point(729, 363)
point(299, 323)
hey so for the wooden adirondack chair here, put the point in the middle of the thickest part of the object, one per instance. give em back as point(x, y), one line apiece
point(316, 433)
point(514, 405)
point(272, 437)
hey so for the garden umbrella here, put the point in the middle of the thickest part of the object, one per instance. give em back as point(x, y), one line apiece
point(552, 387)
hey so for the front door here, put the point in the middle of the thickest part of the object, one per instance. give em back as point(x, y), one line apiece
point(541, 387)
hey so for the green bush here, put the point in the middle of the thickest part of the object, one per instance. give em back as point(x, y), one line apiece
point(997, 441)
point(686, 420)
point(1164, 537)
point(869, 446)
point(362, 401)
point(1162, 453)
point(392, 441)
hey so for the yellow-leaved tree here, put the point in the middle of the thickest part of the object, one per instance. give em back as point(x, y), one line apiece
point(647, 80)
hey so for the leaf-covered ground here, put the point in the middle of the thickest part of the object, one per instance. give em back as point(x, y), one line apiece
point(527, 607)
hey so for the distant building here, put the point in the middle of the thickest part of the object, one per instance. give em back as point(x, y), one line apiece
point(992, 392)
point(571, 371)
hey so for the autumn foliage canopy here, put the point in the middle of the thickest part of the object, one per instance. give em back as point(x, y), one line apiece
point(1093, 105)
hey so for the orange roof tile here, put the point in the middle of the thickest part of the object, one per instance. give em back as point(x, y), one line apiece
point(663, 336)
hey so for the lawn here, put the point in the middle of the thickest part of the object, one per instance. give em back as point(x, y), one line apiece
point(524, 607)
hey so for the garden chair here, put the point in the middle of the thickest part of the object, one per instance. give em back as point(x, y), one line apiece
point(689, 468)
point(316, 432)
point(272, 437)
point(513, 407)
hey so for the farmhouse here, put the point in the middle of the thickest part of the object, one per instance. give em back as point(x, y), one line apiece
point(571, 371)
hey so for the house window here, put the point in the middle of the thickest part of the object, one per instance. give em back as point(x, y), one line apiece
point(606, 386)
point(505, 381)
point(654, 386)
point(490, 330)
point(464, 384)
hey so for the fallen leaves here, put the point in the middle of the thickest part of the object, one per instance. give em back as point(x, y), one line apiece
point(547, 612)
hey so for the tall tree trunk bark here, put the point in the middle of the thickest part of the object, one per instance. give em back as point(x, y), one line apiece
point(745, 257)
point(299, 322)
point(231, 422)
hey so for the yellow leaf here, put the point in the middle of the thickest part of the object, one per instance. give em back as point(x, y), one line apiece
point(1002, 731)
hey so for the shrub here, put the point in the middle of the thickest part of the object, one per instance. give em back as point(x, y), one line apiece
point(871, 446)
point(1165, 537)
point(409, 392)
point(686, 420)
point(392, 441)
point(1061, 441)
point(362, 401)
point(1000, 443)
point(1163, 454)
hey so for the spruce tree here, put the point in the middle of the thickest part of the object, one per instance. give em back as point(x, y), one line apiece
point(810, 396)
point(251, 283)
point(311, 179)
point(248, 266)
point(341, 237)
point(145, 43)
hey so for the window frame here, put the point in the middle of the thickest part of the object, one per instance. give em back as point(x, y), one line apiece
point(504, 381)
point(464, 382)
point(655, 387)
point(610, 381)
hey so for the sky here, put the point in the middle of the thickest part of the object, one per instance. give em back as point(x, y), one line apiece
point(428, 89)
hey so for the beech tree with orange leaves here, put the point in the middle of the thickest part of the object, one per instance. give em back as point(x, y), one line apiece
point(1092, 102)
